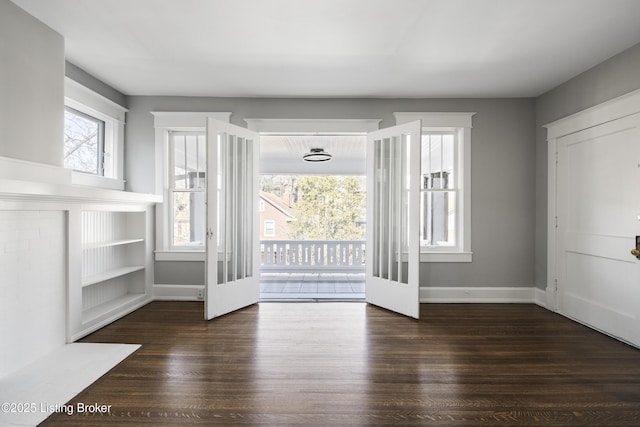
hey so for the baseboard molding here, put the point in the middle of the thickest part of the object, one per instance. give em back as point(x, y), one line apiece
point(540, 297)
point(177, 292)
point(529, 294)
point(116, 316)
point(479, 295)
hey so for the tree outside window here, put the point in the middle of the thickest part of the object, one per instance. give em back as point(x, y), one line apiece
point(83, 142)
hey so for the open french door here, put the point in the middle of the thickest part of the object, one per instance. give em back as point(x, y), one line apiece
point(393, 226)
point(232, 266)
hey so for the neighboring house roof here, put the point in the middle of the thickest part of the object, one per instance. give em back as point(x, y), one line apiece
point(277, 203)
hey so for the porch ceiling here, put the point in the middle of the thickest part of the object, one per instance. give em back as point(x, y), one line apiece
point(282, 154)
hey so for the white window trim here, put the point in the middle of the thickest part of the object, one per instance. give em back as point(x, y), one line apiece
point(165, 122)
point(462, 122)
point(85, 100)
point(272, 223)
point(313, 125)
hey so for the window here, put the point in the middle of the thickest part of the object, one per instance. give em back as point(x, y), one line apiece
point(269, 228)
point(181, 218)
point(445, 193)
point(94, 137)
point(187, 189)
point(83, 142)
point(438, 194)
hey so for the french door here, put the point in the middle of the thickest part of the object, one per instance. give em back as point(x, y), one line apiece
point(393, 226)
point(232, 261)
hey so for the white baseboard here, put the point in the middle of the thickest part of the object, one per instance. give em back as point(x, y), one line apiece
point(478, 295)
point(177, 292)
point(529, 294)
point(540, 297)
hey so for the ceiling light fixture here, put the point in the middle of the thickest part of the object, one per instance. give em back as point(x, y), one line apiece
point(317, 155)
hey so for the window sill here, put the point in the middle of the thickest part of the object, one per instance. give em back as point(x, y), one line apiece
point(446, 256)
point(88, 180)
point(192, 255)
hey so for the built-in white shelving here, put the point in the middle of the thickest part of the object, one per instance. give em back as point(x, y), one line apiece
point(110, 256)
point(111, 243)
point(110, 274)
point(116, 304)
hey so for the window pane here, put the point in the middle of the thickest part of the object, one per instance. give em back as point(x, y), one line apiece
point(189, 161)
point(83, 142)
point(438, 218)
point(448, 159)
point(189, 221)
point(426, 161)
point(438, 161)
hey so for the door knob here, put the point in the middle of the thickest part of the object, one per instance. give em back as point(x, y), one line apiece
point(635, 253)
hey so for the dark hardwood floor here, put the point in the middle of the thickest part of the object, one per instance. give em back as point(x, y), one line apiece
point(354, 364)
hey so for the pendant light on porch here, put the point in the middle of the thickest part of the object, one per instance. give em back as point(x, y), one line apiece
point(317, 155)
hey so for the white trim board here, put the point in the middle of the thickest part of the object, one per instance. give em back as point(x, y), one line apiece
point(621, 106)
point(312, 125)
point(79, 93)
point(44, 191)
point(24, 170)
point(489, 295)
point(436, 119)
point(168, 292)
point(57, 378)
point(449, 295)
point(186, 120)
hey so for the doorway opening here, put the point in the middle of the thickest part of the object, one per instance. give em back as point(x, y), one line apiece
point(312, 218)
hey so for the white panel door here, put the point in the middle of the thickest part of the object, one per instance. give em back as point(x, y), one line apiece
point(232, 266)
point(598, 218)
point(393, 227)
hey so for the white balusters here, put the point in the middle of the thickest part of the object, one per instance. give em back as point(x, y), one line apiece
point(335, 255)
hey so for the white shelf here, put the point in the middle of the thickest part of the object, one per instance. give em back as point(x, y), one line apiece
point(110, 243)
point(116, 304)
point(110, 264)
point(111, 274)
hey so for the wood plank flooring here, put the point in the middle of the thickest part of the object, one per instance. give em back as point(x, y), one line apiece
point(354, 364)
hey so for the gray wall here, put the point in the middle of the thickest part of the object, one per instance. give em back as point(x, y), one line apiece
point(614, 77)
point(87, 80)
point(31, 88)
point(502, 163)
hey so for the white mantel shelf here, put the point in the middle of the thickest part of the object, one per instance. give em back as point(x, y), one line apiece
point(41, 191)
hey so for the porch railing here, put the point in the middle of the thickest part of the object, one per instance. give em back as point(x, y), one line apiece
point(312, 255)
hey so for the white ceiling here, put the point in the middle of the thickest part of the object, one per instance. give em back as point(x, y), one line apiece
point(339, 48)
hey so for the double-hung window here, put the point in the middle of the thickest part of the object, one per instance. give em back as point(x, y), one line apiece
point(445, 185)
point(181, 168)
point(187, 189)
